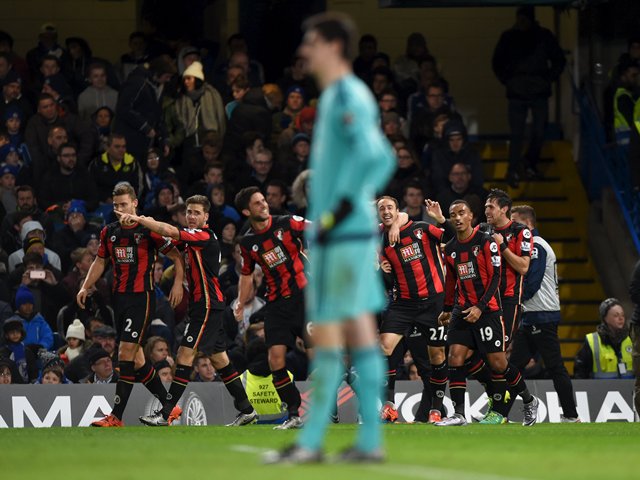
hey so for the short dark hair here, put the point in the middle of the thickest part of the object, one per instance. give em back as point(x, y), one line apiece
point(243, 197)
point(388, 197)
point(211, 165)
point(368, 38)
point(502, 198)
point(526, 211)
point(45, 96)
point(460, 202)
point(199, 200)
point(32, 258)
point(25, 188)
point(277, 183)
point(49, 57)
point(414, 185)
point(124, 188)
point(113, 136)
point(212, 139)
point(66, 145)
point(96, 66)
point(335, 26)
point(241, 81)
point(6, 38)
point(137, 34)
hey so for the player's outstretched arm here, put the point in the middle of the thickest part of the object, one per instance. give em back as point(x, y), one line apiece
point(161, 228)
point(95, 272)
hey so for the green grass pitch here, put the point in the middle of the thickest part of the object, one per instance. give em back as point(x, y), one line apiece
point(554, 451)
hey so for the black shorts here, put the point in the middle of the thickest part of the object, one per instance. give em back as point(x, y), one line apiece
point(133, 312)
point(401, 317)
point(204, 331)
point(284, 321)
point(484, 336)
point(512, 312)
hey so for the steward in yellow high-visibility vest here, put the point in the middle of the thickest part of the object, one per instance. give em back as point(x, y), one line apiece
point(606, 353)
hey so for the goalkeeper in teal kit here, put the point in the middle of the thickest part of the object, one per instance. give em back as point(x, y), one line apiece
point(351, 161)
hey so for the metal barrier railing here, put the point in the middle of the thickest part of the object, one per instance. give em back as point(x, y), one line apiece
point(605, 165)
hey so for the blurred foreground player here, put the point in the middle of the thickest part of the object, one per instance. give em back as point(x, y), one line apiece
point(351, 160)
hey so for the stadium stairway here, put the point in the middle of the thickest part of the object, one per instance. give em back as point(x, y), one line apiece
point(562, 209)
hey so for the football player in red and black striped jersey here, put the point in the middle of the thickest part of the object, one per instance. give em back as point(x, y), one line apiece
point(132, 249)
point(472, 309)
point(415, 266)
point(204, 330)
point(275, 243)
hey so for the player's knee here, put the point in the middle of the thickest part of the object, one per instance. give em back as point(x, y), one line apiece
point(219, 360)
point(498, 362)
point(455, 359)
point(276, 359)
point(185, 356)
point(127, 351)
point(436, 355)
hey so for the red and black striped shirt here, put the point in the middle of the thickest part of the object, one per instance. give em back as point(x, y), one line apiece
point(133, 251)
point(520, 241)
point(277, 249)
point(416, 260)
point(473, 269)
point(202, 260)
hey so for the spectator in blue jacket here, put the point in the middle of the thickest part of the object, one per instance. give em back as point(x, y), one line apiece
point(38, 331)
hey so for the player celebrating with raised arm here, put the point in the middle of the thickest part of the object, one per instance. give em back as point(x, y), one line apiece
point(415, 264)
point(351, 160)
point(475, 324)
point(204, 331)
point(132, 249)
point(275, 244)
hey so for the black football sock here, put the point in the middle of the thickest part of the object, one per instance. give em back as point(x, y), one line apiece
point(390, 378)
point(233, 382)
point(480, 371)
point(499, 391)
point(458, 387)
point(438, 382)
point(287, 390)
point(148, 376)
point(177, 388)
point(123, 388)
point(516, 384)
point(422, 414)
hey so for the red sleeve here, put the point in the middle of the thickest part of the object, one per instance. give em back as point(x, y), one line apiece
point(493, 262)
point(449, 284)
point(247, 261)
point(163, 244)
point(298, 225)
point(103, 251)
point(436, 232)
point(524, 243)
point(195, 237)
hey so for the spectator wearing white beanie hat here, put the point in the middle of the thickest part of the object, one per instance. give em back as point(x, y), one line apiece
point(75, 341)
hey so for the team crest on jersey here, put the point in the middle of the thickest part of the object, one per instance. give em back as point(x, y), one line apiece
point(279, 233)
point(274, 257)
point(466, 271)
point(476, 251)
point(418, 233)
point(411, 252)
point(137, 237)
point(509, 237)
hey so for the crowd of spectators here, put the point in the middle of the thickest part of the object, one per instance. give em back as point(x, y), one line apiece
point(174, 122)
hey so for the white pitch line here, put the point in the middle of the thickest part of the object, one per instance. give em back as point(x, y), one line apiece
point(420, 471)
point(248, 449)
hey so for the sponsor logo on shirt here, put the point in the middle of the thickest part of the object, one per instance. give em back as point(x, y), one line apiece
point(411, 252)
point(274, 257)
point(124, 254)
point(466, 271)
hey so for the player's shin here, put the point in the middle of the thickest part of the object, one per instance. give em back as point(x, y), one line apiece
point(177, 388)
point(148, 376)
point(287, 391)
point(123, 388)
point(438, 383)
point(231, 378)
point(458, 387)
point(480, 371)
